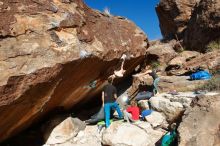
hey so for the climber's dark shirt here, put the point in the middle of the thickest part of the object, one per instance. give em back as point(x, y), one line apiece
point(109, 91)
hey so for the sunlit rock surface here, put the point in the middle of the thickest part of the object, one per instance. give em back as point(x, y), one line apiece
point(53, 51)
point(204, 25)
point(201, 123)
point(174, 16)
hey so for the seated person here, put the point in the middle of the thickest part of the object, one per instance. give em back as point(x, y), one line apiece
point(145, 112)
point(132, 112)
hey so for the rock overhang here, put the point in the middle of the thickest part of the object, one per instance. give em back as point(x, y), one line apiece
point(51, 50)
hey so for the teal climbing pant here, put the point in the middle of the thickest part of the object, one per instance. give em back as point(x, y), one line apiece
point(107, 109)
point(155, 90)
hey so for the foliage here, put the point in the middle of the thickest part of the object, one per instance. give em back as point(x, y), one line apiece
point(179, 48)
point(211, 85)
point(155, 64)
point(213, 45)
point(215, 71)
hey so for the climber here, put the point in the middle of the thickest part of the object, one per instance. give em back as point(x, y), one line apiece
point(156, 79)
point(143, 95)
point(132, 112)
point(120, 73)
point(109, 95)
point(153, 74)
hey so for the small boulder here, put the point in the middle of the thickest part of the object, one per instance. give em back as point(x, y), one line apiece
point(156, 119)
point(125, 134)
point(89, 137)
point(179, 61)
point(155, 134)
point(172, 110)
point(183, 57)
point(164, 52)
point(65, 131)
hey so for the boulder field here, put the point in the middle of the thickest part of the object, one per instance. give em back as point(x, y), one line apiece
point(57, 54)
point(201, 111)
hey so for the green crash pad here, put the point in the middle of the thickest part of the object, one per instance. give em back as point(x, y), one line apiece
point(103, 122)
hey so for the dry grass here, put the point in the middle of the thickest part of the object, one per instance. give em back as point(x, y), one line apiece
point(155, 64)
point(107, 11)
point(212, 85)
point(214, 45)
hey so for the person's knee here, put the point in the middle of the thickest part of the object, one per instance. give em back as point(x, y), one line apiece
point(125, 112)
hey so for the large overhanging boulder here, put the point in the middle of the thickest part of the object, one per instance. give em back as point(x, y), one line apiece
point(51, 51)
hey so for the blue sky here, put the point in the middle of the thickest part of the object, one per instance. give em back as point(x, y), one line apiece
point(141, 12)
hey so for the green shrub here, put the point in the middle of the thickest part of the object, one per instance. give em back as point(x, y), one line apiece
point(211, 85)
point(155, 64)
point(181, 50)
point(215, 71)
point(213, 45)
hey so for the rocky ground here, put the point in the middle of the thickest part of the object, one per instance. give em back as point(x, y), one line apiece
point(201, 123)
point(166, 108)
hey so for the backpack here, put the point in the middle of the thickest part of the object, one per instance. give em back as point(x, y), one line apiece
point(200, 75)
point(168, 139)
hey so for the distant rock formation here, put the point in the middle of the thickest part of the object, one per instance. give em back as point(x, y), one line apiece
point(50, 53)
point(204, 25)
point(195, 22)
point(174, 16)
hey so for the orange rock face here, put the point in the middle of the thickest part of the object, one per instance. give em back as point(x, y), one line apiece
point(174, 16)
point(50, 52)
point(205, 21)
point(191, 21)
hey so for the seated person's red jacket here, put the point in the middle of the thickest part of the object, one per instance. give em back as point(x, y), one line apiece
point(135, 112)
